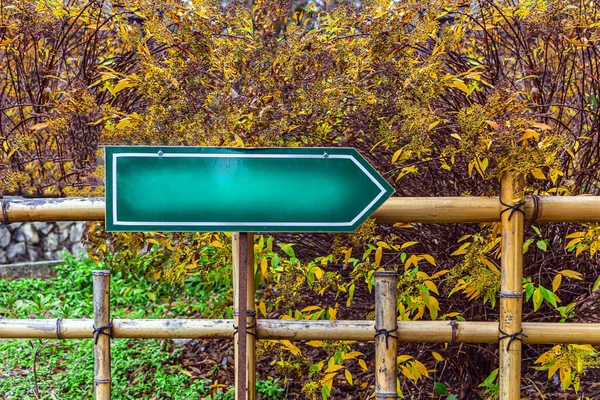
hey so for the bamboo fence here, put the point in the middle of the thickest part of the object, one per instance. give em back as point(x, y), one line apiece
point(509, 332)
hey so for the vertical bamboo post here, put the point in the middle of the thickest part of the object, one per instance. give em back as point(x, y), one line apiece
point(511, 292)
point(251, 321)
point(102, 326)
point(386, 341)
point(244, 304)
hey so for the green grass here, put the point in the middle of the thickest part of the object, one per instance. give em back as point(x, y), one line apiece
point(141, 368)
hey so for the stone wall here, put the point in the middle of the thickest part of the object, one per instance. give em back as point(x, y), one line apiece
point(38, 241)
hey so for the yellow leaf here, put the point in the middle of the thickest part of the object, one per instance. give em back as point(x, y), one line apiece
point(493, 124)
point(187, 373)
point(124, 123)
point(315, 343)
point(311, 308)
point(460, 85)
point(565, 377)
point(39, 126)
point(431, 286)
point(332, 313)
point(433, 125)
point(429, 259)
point(384, 245)
point(238, 141)
point(571, 274)
point(348, 255)
point(423, 275)
point(575, 235)
point(403, 225)
point(489, 264)
point(352, 355)
point(406, 372)
point(378, 255)
point(333, 368)
point(437, 356)
point(262, 308)
point(151, 296)
point(328, 380)
point(594, 246)
point(421, 368)
point(291, 347)
point(408, 244)
point(362, 364)
point(318, 272)
point(554, 174)
point(143, 49)
point(529, 134)
point(411, 260)
point(264, 267)
point(585, 347)
point(348, 376)
point(556, 282)
point(461, 250)
point(122, 84)
point(543, 127)
point(538, 174)
point(456, 136)
point(440, 273)
point(572, 243)
point(396, 155)
point(403, 358)
point(537, 299)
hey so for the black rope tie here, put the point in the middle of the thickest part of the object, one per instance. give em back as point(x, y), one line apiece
point(5, 220)
point(249, 313)
point(100, 331)
point(387, 333)
point(454, 326)
point(512, 336)
point(58, 322)
point(513, 207)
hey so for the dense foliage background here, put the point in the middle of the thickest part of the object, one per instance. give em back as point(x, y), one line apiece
point(441, 97)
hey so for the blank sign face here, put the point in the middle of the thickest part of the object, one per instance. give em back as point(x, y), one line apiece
point(246, 190)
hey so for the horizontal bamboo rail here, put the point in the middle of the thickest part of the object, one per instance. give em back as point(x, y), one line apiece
point(18, 209)
point(274, 329)
point(394, 210)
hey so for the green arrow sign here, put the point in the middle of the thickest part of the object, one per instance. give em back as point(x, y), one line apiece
point(240, 190)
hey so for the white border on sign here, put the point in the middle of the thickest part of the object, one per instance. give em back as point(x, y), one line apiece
point(249, 224)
